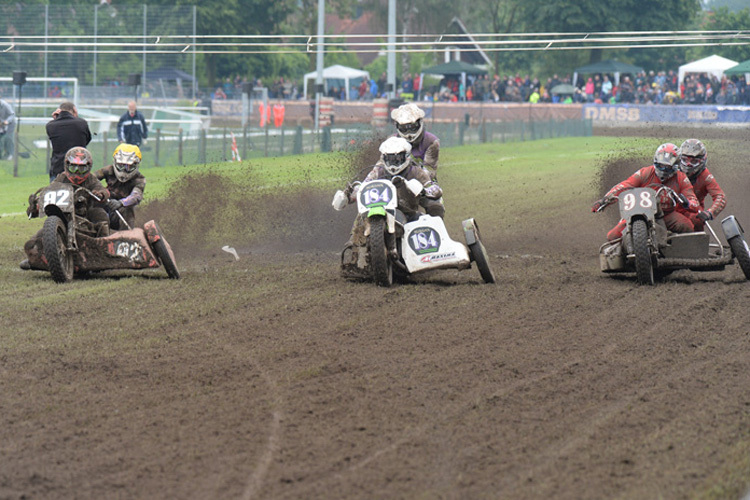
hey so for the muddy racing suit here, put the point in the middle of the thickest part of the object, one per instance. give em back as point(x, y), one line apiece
point(130, 193)
point(431, 202)
point(89, 208)
point(646, 177)
point(705, 184)
point(427, 151)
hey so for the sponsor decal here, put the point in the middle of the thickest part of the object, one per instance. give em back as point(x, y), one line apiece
point(437, 257)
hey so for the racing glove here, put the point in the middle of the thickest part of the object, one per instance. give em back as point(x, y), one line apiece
point(599, 204)
point(32, 210)
point(113, 205)
point(683, 201)
point(432, 192)
point(705, 216)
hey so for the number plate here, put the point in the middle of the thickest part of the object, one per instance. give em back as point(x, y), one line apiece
point(424, 240)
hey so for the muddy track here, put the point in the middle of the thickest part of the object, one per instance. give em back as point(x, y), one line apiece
point(271, 377)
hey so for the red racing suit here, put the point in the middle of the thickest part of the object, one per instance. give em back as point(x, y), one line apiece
point(705, 184)
point(646, 177)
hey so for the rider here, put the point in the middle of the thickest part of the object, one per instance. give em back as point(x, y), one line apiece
point(78, 162)
point(663, 172)
point(693, 156)
point(395, 160)
point(124, 183)
point(425, 146)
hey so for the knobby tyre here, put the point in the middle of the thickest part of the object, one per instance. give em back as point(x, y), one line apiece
point(644, 265)
point(382, 267)
point(741, 253)
point(160, 248)
point(479, 254)
point(55, 244)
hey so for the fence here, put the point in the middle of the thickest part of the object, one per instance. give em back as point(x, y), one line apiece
point(61, 26)
point(214, 145)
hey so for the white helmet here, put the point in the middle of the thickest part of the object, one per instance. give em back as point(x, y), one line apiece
point(127, 157)
point(395, 153)
point(409, 121)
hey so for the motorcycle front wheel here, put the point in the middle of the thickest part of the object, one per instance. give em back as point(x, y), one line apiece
point(644, 265)
point(380, 262)
point(55, 245)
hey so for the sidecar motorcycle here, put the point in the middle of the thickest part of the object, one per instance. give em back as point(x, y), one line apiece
point(651, 251)
point(400, 246)
point(71, 244)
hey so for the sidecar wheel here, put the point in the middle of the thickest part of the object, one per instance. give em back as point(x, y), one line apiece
point(741, 253)
point(160, 249)
point(644, 265)
point(479, 255)
point(55, 245)
point(382, 267)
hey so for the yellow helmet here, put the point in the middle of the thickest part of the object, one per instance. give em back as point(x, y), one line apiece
point(127, 157)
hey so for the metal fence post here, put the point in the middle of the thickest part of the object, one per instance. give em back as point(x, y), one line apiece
point(104, 148)
point(297, 148)
point(158, 142)
point(202, 147)
point(461, 130)
point(281, 142)
point(179, 147)
point(224, 145)
point(265, 146)
point(244, 141)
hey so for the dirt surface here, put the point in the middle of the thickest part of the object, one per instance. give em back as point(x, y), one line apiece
point(271, 377)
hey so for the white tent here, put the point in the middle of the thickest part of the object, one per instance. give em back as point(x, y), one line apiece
point(716, 65)
point(337, 72)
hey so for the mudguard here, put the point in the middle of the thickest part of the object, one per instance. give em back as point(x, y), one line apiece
point(731, 227)
point(376, 211)
point(470, 231)
point(152, 231)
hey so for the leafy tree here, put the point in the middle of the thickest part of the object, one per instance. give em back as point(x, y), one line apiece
point(725, 19)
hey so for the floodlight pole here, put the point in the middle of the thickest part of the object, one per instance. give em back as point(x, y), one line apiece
point(319, 61)
point(391, 59)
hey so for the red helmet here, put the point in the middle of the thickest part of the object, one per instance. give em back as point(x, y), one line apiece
point(78, 163)
point(666, 159)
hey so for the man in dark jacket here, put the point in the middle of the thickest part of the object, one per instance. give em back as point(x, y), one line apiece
point(65, 131)
point(132, 129)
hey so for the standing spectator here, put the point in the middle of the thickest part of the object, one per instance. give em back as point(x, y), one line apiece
point(65, 131)
point(373, 88)
point(131, 128)
point(589, 90)
point(363, 89)
point(606, 89)
point(7, 126)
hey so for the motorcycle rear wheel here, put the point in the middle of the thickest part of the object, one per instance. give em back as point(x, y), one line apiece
point(644, 265)
point(382, 267)
point(741, 253)
point(55, 245)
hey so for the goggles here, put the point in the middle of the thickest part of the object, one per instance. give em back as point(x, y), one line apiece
point(394, 159)
point(408, 127)
point(74, 168)
point(692, 161)
point(126, 167)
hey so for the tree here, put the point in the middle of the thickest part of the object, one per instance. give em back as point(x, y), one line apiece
point(725, 19)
